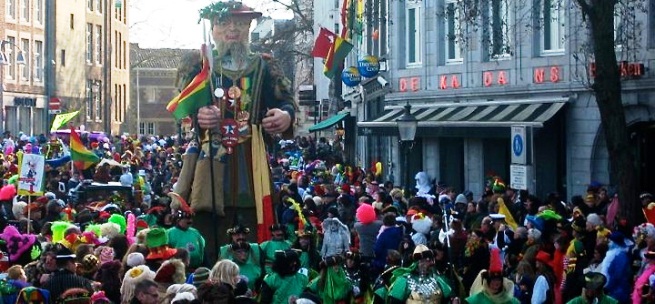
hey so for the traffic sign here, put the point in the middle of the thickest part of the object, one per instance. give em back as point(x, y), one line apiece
point(518, 177)
point(518, 146)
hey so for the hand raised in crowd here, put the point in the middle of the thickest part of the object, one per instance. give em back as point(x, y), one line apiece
point(276, 121)
point(209, 117)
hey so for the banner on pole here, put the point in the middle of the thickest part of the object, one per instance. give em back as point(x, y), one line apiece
point(31, 175)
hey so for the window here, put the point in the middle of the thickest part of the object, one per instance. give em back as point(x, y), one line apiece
point(147, 128)
point(123, 108)
point(120, 51)
point(98, 46)
point(89, 5)
point(89, 42)
point(619, 27)
point(553, 16)
point(89, 98)
point(63, 58)
point(38, 11)
point(11, 9)
point(499, 18)
point(25, 10)
point(453, 32)
point(124, 49)
point(97, 100)
point(9, 52)
point(72, 21)
point(38, 60)
point(413, 32)
point(25, 45)
point(99, 6)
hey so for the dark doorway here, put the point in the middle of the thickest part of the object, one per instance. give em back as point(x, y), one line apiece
point(451, 162)
point(644, 137)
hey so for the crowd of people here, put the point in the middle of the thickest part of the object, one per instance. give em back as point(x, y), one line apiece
point(341, 236)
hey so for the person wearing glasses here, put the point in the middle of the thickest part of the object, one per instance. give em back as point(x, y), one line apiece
point(146, 292)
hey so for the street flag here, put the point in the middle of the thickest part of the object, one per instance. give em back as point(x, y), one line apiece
point(62, 119)
point(337, 54)
point(324, 41)
point(81, 156)
point(195, 95)
point(509, 219)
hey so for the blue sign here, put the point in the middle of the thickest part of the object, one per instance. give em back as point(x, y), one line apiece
point(517, 145)
point(369, 66)
point(351, 77)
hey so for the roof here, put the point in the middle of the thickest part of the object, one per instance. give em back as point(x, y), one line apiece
point(156, 58)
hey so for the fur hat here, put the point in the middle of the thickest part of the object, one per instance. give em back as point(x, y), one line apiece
point(132, 277)
point(421, 223)
point(17, 243)
point(157, 243)
point(171, 272)
point(135, 259)
point(120, 221)
point(110, 230)
point(365, 214)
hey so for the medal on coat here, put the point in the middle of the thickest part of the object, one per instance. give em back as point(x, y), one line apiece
point(234, 92)
point(230, 136)
point(219, 92)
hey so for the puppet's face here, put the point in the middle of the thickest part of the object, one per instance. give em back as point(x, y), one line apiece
point(231, 30)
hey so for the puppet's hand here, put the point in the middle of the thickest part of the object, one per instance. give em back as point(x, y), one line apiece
point(209, 117)
point(276, 121)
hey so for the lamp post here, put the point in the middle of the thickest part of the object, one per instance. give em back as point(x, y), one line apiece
point(4, 60)
point(407, 125)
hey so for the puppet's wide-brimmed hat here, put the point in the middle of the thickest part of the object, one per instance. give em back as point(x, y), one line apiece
point(224, 9)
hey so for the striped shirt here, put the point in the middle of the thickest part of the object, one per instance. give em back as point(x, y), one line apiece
point(62, 280)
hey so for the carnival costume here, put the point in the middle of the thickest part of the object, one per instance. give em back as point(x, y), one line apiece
point(481, 292)
point(244, 92)
point(284, 281)
point(332, 285)
point(412, 286)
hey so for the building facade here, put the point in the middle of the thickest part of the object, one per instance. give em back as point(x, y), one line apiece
point(471, 75)
point(154, 72)
point(23, 100)
point(91, 62)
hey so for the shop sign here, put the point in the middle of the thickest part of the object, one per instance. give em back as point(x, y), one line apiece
point(24, 101)
point(450, 81)
point(490, 78)
point(627, 69)
point(547, 74)
point(409, 84)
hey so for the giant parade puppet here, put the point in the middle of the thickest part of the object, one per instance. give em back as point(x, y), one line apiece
point(226, 177)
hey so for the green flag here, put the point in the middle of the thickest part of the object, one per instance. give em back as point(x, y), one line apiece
point(61, 120)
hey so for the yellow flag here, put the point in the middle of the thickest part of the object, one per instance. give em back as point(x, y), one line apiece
point(509, 219)
point(61, 120)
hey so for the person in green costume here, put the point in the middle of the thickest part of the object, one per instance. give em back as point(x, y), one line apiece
point(309, 256)
point(593, 290)
point(490, 287)
point(419, 283)
point(276, 243)
point(182, 235)
point(238, 234)
point(249, 266)
point(284, 281)
point(332, 285)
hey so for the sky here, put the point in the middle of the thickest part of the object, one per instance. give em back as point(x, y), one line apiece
point(174, 23)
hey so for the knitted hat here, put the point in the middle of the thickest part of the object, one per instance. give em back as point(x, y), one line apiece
point(132, 277)
point(183, 296)
point(200, 276)
point(157, 243)
point(461, 199)
point(365, 214)
point(171, 272)
point(135, 259)
point(89, 265)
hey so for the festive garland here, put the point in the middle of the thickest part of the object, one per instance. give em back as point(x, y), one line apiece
point(218, 10)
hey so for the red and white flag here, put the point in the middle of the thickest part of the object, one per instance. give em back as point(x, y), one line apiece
point(324, 42)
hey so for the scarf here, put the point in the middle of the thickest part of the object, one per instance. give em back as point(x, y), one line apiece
point(641, 281)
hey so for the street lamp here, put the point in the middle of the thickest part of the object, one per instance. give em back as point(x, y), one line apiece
point(407, 125)
point(4, 60)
